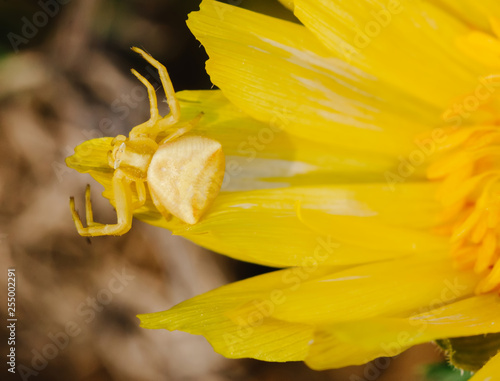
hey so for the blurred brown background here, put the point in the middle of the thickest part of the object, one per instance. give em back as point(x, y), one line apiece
point(64, 70)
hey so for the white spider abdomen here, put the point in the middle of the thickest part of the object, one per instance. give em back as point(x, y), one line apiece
point(185, 176)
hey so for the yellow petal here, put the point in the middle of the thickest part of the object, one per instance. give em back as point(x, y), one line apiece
point(262, 155)
point(91, 155)
point(358, 224)
point(356, 214)
point(271, 317)
point(359, 342)
point(473, 12)
point(490, 371)
point(371, 233)
point(270, 67)
point(403, 44)
point(481, 46)
point(495, 24)
point(216, 316)
point(407, 205)
point(390, 288)
point(287, 3)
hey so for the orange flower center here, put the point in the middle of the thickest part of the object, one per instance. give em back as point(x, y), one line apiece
point(470, 169)
point(470, 194)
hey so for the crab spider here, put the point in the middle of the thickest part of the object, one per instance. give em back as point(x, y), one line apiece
point(183, 172)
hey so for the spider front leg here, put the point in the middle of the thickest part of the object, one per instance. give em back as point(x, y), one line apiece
point(175, 110)
point(149, 128)
point(123, 205)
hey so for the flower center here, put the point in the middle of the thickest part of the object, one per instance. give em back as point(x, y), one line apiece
point(470, 193)
point(470, 171)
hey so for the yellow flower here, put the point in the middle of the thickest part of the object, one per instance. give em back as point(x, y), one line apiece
point(360, 156)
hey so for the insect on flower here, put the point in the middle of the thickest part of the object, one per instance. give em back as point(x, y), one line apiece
point(184, 172)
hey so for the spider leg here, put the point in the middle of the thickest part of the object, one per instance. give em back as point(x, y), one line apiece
point(123, 206)
point(141, 193)
point(76, 216)
point(183, 129)
point(175, 111)
point(89, 214)
point(150, 128)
